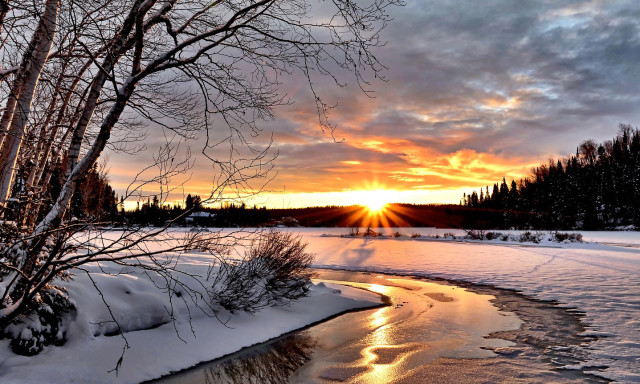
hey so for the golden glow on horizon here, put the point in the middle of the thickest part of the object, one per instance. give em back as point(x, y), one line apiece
point(342, 198)
point(375, 206)
point(423, 176)
point(375, 201)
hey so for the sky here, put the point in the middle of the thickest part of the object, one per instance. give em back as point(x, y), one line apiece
point(475, 91)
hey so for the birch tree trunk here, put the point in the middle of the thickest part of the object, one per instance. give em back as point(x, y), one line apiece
point(118, 46)
point(41, 41)
point(9, 109)
point(4, 8)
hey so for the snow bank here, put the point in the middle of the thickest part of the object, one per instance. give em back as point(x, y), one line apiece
point(156, 345)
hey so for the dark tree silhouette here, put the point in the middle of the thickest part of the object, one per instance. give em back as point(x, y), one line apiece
point(597, 188)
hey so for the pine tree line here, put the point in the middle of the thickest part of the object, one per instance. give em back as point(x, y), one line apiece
point(597, 188)
point(153, 213)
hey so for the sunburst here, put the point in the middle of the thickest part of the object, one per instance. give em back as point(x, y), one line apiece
point(374, 200)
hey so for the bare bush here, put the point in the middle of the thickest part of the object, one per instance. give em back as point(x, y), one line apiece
point(564, 236)
point(529, 237)
point(473, 234)
point(371, 233)
point(275, 271)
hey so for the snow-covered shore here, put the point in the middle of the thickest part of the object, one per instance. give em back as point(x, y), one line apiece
point(90, 354)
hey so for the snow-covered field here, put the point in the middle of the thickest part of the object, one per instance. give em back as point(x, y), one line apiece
point(601, 280)
point(90, 355)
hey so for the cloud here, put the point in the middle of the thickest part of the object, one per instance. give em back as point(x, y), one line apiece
point(476, 90)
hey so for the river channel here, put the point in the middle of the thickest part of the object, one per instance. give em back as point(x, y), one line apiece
point(430, 332)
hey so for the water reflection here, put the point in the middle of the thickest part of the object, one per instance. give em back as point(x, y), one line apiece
point(378, 318)
point(426, 321)
point(268, 364)
point(386, 363)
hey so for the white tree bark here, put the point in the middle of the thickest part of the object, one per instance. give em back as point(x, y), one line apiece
point(42, 41)
point(9, 108)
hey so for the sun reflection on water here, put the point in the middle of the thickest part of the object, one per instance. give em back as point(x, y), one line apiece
point(378, 318)
point(378, 288)
point(381, 357)
point(386, 363)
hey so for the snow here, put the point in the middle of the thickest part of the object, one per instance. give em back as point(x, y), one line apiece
point(600, 278)
point(158, 346)
point(202, 214)
point(603, 281)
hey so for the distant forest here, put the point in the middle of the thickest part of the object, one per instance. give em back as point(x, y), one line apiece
point(240, 215)
point(597, 188)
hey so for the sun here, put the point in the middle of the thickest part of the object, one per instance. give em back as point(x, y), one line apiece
point(375, 201)
point(375, 205)
point(376, 208)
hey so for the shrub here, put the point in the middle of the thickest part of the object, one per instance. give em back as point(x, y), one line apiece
point(474, 235)
point(528, 237)
point(371, 233)
point(448, 235)
point(496, 235)
point(397, 234)
point(560, 236)
point(275, 271)
point(563, 236)
point(44, 323)
point(415, 235)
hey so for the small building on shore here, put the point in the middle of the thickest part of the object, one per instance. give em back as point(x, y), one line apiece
point(202, 218)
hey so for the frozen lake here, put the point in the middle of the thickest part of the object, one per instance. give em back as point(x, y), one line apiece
point(601, 280)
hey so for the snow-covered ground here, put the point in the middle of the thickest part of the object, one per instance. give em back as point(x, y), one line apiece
point(90, 355)
point(601, 280)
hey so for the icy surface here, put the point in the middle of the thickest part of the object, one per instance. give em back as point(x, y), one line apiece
point(158, 346)
point(603, 281)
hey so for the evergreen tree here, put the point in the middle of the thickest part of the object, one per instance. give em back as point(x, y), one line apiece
point(598, 188)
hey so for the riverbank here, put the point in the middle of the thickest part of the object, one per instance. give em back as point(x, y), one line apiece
point(152, 344)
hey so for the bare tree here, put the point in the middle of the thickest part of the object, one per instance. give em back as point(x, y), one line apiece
point(79, 76)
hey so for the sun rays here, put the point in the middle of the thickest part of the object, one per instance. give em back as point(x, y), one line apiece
point(375, 208)
point(374, 200)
